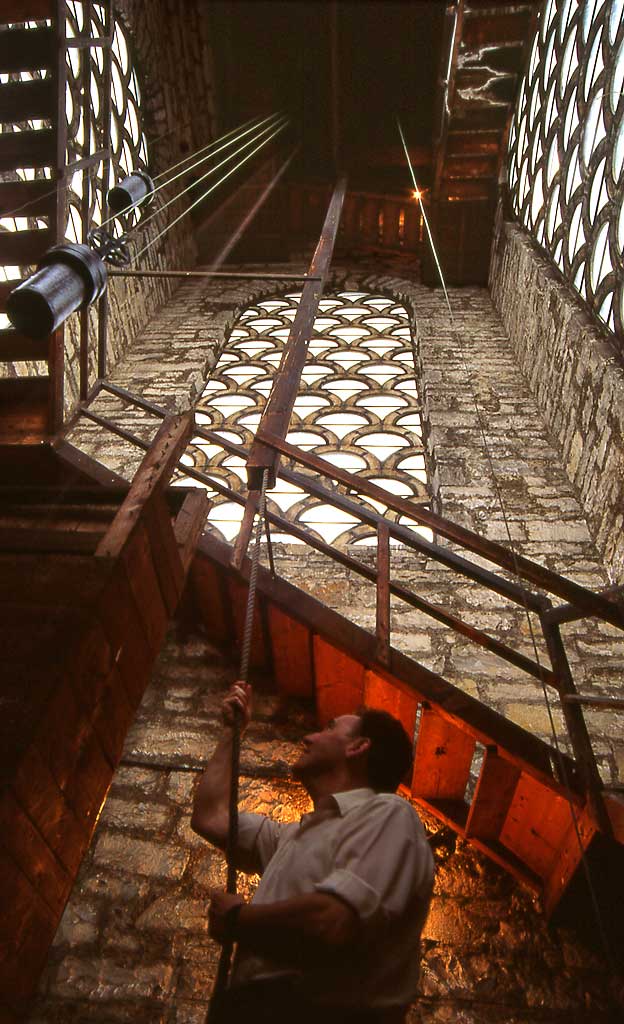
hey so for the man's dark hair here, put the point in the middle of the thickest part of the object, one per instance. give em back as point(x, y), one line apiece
point(390, 753)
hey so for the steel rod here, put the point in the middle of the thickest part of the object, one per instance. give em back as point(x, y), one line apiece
point(245, 275)
point(278, 410)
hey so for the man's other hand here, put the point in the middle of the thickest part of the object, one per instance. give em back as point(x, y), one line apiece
point(237, 702)
point(220, 903)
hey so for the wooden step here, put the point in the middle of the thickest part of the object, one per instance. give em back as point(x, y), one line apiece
point(340, 681)
point(492, 797)
point(291, 645)
point(24, 410)
point(442, 760)
point(26, 10)
point(37, 198)
point(537, 824)
point(35, 148)
point(24, 101)
point(24, 248)
point(19, 348)
point(27, 49)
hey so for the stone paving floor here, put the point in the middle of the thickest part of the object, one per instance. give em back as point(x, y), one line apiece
point(132, 946)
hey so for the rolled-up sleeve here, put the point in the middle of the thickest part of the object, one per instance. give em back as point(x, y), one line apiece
point(382, 863)
point(258, 837)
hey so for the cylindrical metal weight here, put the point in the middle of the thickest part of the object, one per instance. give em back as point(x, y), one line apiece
point(69, 277)
point(133, 190)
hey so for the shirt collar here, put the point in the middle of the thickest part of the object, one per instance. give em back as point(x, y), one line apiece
point(352, 798)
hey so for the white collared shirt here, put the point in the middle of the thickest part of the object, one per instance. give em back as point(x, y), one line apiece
point(371, 852)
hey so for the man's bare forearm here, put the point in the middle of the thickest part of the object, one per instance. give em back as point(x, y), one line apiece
point(211, 815)
point(316, 926)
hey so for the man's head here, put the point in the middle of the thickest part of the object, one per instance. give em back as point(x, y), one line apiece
point(370, 748)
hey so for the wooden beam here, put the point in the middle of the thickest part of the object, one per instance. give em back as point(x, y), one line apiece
point(23, 101)
point(278, 410)
point(189, 524)
point(492, 797)
point(152, 477)
point(26, 49)
point(442, 759)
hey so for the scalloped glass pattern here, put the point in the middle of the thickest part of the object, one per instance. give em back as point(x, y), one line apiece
point(566, 148)
point(358, 406)
point(128, 143)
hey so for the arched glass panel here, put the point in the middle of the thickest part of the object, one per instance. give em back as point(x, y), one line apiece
point(569, 199)
point(358, 407)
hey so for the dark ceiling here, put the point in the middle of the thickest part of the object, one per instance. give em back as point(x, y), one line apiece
point(344, 71)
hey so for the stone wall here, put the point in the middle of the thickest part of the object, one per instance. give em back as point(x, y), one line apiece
point(576, 376)
point(493, 468)
point(132, 947)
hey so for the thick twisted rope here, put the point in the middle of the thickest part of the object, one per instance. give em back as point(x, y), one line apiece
point(214, 1010)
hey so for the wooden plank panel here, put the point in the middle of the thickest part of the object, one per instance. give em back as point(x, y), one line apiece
point(23, 248)
point(124, 627)
point(238, 600)
point(113, 717)
point(27, 49)
point(19, 348)
point(26, 928)
point(493, 795)
point(50, 541)
point(165, 555)
point(210, 591)
point(381, 693)
point(24, 410)
point(291, 644)
point(442, 760)
point(39, 795)
point(139, 569)
point(339, 681)
point(22, 101)
point(27, 149)
point(568, 858)
point(25, 844)
point(536, 825)
point(189, 524)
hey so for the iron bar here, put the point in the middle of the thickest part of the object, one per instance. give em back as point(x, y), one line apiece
point(594, 700)
point(576, 726)
point(278, 410)
point(102, 340)
point(235, 274)
point(284, 525)
point(493, 552)
point(450, 559)
point(90, 160)
point(570, 613)
point(382, 604)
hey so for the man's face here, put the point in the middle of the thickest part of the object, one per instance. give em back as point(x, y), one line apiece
point(326, 750)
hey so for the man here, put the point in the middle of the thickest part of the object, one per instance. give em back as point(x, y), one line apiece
point(332, 933)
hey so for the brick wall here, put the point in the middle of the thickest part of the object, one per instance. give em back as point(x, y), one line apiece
point(576, 377)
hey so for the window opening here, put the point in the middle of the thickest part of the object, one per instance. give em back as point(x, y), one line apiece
point(128, 142)
point(566, 148)
point(358, 407)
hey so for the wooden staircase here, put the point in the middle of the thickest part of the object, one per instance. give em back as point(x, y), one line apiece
point(90, 577)
point(524, 806)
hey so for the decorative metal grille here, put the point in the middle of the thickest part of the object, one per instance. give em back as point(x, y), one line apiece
point(566, 148)
point(358, 407)
point(128, 144)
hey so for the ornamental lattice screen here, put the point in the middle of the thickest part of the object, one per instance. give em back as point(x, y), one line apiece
point(566, 148)
point(128, 143)
point(358, 407)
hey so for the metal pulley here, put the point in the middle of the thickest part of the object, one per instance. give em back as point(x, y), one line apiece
point(134, 190)
point(69, 277)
